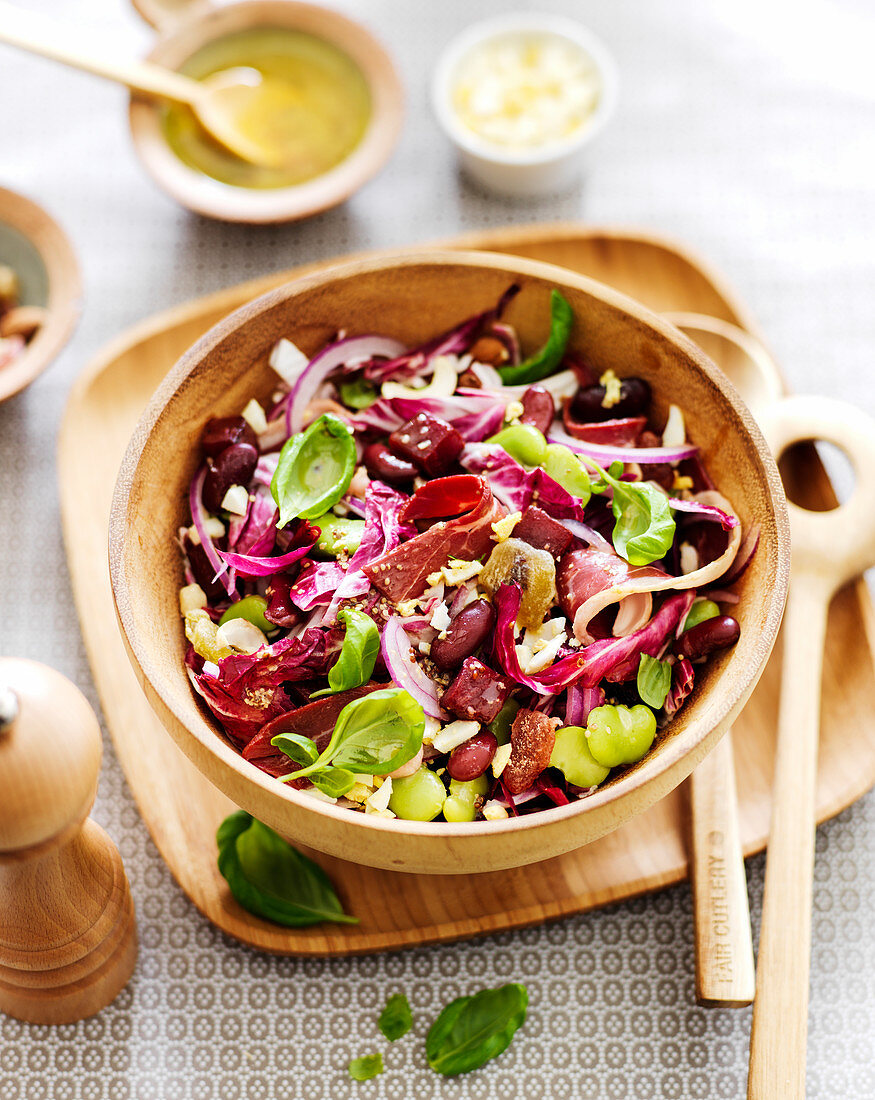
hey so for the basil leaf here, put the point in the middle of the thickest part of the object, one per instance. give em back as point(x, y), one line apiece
point(373, 735)
point(358, 394)
point(654, 680)
point(272, 879)
point(314, 470)
point(298, 748)
point(366, 1067)
point(334, 782)
point(378, 733)
point(396, 1019)
point(358, 655)
point(546, 361)
point(472, 1030)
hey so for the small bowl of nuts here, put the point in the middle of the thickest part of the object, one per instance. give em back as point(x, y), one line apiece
point(40, 291)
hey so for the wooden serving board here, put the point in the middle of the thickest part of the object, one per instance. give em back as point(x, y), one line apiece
point(182, 809)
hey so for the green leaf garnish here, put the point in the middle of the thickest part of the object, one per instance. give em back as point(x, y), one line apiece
point(358, 655)
point(373, 735)
point(314, 470)
point(654, 681)
point(645, 527)
point(396, 1019)
point(297, 747)
point(472, 1030)
point(272, 879)
point(544, 362)
point(366, 1067)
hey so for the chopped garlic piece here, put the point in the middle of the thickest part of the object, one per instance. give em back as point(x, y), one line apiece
point(359, 793)
point(367, 780)
point(499, 761)
point(213, 527)
point(242, 635)
point(689, 558)
point(440, 618)
point(454, 734)
point(545, 656)
point(379, 800)
point(613, 389)
point(236, 500)
point(288, 361)
point(191, 598)
point(432, 728)
point(494, 811)
point(457, 572)
point(503, 527)
point(407, 608)
point(254, 416)
point(675, 433)
point(513, 412)
point(387, 813)
point(681, 483)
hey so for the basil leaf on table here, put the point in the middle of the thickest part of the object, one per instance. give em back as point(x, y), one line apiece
point(271, 879)
point(366, 1067)
point(396, 1019)
point(546, 361)
point(314, 470)
point(358, 655)
point(654, 681)
point(472, 1030)
point(373, 735)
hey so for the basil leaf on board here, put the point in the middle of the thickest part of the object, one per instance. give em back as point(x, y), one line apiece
point(297, 748)
point(472, 1030)
point(334, 782)
point(358, 655)
point(654, 681)
point(366, 1067)
point(358, 394)
point(272, 879)
point(546, 361)
point(314, 470)
point(396, 1019)
point(373, 735)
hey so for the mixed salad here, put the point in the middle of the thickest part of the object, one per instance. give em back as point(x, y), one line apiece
point(453, 580)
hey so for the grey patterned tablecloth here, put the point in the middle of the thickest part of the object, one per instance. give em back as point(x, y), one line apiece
point(745, 128)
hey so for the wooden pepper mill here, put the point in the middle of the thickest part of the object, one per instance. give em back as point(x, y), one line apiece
point(68, 941)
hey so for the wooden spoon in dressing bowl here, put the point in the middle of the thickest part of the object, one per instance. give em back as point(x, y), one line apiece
point(220, 101)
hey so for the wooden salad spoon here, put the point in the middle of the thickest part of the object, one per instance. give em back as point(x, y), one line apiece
point(829, 549)
point(721, 914)
point(218, 101)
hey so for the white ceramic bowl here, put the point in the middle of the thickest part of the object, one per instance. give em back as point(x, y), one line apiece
point(540, 170)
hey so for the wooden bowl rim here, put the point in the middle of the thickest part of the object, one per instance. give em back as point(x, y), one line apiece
point(221, 749)
point(205, 195)
point(64, 289)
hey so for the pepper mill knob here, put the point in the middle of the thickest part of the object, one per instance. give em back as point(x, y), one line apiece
point(68, 939)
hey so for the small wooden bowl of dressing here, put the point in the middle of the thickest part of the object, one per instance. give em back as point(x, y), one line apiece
point(337, 108)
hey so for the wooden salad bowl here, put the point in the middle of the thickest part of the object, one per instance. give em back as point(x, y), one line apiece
point(413, 296)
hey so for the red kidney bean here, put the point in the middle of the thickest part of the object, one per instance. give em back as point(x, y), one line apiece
point(471, 759)
point(280, 610)
point(586, 405)
point(234, 466)
point(385, 466)
point(704, 638)
point(464, 636)
point(538, 408)
point(223, 431)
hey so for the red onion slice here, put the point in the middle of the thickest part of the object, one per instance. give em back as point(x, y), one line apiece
point(199, 518)
point(705, 511)
point(606, 455)
point(329, 359)
point(407, 674)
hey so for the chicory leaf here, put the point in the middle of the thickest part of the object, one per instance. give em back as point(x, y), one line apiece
point(472, 1030)
point(396, 1019)
point(547, 360)
point(272, 879)
point(645, 527)
point(654, 681)
point(358, 655)
point(366, 1067)
point(314, 470)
